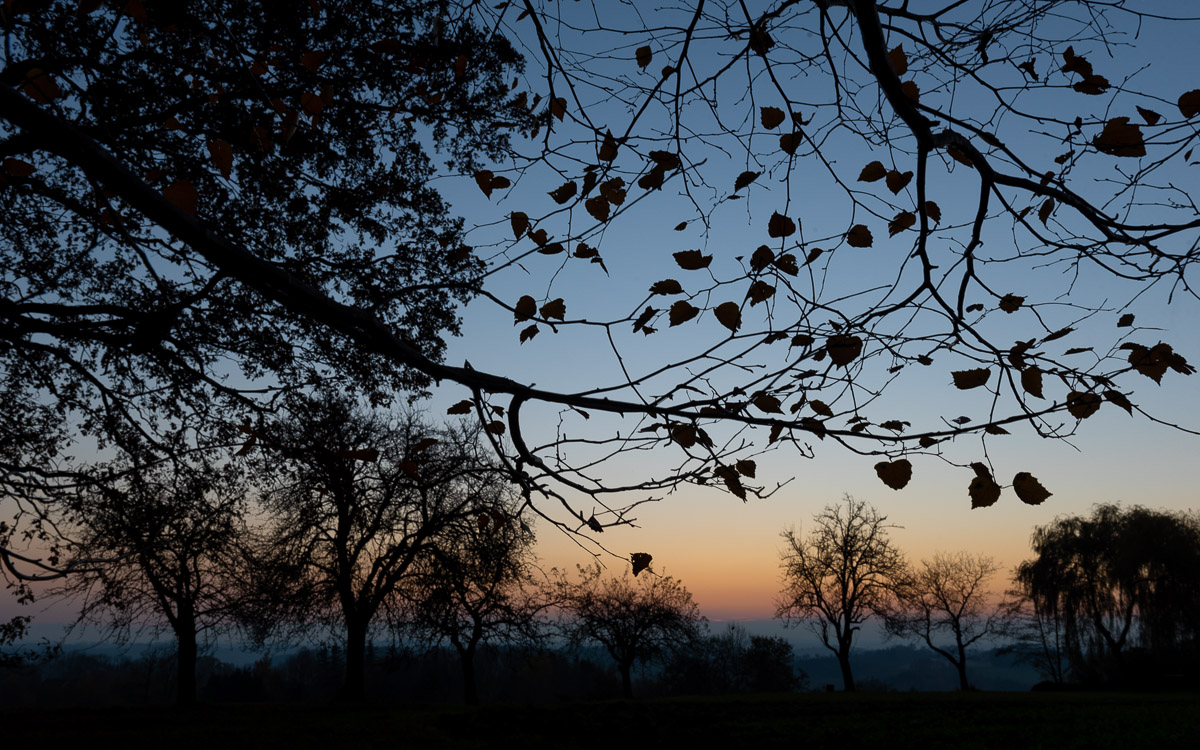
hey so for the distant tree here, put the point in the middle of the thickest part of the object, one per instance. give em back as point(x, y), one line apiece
point(356, 501)
point(946, 597)
point(1035, 630)
point(633, 618)
point(477, 586)
point(159, 544)
point(1119, 579)
point(840, 575)
point(731, 661)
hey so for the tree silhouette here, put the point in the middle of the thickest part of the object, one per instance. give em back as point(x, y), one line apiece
point(946, 597)
point(478, 585)
point(160, 544)
point(632, 618)
point(355, 502)
point(1119, 579)
point(179, 194)
point(839, 575)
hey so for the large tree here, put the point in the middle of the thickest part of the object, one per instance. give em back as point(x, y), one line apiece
point(839, 575)
point(160, 545)
point(356, 500)
point(946, 597)
point(300, 134)
point(1120, 579)
point(1008, 160)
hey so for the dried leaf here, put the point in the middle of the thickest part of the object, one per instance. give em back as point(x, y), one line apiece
point(682, 311)
point(1044, 211)
point(780, 226)
point(762, 257)
point(528, 333)
point(747, 467)
point(843, 349)
point(744, 179)
point(1029, 489)
point(692, 260)
point(1082, 405)
point(608, 149)
point(644, 56)
point(984, 492)
point(896, 180)
point(1150, 116)
point(555, 308)
point(520, 223)
point(1010, 303)
point(967, 379)
point(640, 560)
point(1125, 321)
point(895, 474)
point(1120, 400)
point(768, 403)
point(729, 315)
point(911, 90)
point(462, 407)
point(1031, 381)
point(598, 207)
point(821, 408)
point(859, 236)
point(562, 193)
point(873, 172)
point(666, 286)
point(525, 309)
point(760, 291)
point(1189, 103)
point(558, 107)
point(771, 117)
point(183, 195)
point(789, 142)
point(900, 222)
point(1120, 138)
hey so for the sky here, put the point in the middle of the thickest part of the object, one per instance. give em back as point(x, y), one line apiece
point(727, 551)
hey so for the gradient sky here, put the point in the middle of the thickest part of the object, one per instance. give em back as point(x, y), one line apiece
point(726, 551)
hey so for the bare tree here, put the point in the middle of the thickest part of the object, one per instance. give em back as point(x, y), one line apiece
point(478, 586)
point(356, 501)
point(633, 618)
point(160, 545)
point(946, 597)
point(839, 575)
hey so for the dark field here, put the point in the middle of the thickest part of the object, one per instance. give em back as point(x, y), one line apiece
point(815, 720)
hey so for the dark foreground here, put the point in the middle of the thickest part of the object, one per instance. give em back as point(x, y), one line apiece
point(916, 720)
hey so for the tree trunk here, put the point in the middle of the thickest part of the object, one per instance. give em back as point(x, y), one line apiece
point(466, 658)
point(847, 676)
point(961, 664)
point(626, 678)
point(355, 689)
point(186, 653)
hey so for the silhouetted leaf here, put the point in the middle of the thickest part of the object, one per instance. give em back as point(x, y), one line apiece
point(780, 226)
point(760, 291)
point(1189, 103)
point(898, 59)
point(744, 179)
point(1082, 405)
point(1010, 303)
point(528, 333)
point(520, 223)
point(1031, 381)
point(1120, 138)
point(1150, 116)
point(995, 429)
point(859, 236)
point(729, 315)
point(597, 207)
point(183, 195)
point(494, 427)
point(684, 434)
point(1058, 334)
point(900, 222)
point(666, 286)
point(843, 349)
point(896, 181)
point(608, 149)
point(911, 90)
point(895, 474)
point(786, 263)
point(1029, 489)
point(682, 311)
point(613, 190)
point(592, 522)
point(525, 309)
point(555, 308)
point(462, 407)
point(1044, 211)
point(692, 260)
point(983, 489)
point(873, 172)
point(771, 117)
point(643, 319)
point(640, 560)
point(1125, 321)
point(552, 248)
point(644, 56)
point(820, 407)
point(747, 467)
point(681, 226)
point(762, 257)
point(1120, 400)
point(564, 192)
point(789, 142)
point(558, 107)
point(967, 379)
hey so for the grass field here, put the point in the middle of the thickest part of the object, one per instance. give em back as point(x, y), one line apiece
point(892, 720)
